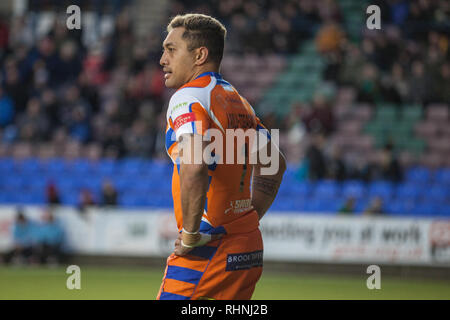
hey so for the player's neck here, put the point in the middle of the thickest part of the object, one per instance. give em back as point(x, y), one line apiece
point(205, 69)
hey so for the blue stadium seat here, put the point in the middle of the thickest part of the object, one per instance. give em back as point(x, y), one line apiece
point(145, 185)
point(437, 193)
point(6, 166)
point(382, 189)
point(418, 175)
point(131, 166)
point(36, 182)
point(10, 197)
point(289, 203)
point(442, 176)
point(399, 207)
point(284, 206)
point(121, 182)
point(92, 183)
point(361, 204)
point(158, 167)
point(70, 198)
point(13, 182)
point(3, 183)
point(106, 168)
point(321, 205)
point(66, 183)
point(166, 201)
point(285, 188)
point(129, 200)
point(296, 189)
point(79, 167)
point(157, 200)
point(326, 189)
point(28, 166)
point(3, 198)
point(31, 198)
point(443, 210)
point(166, 186)
point(408, 191)
point(429, 209)
point(355, 189)
point(55, 166)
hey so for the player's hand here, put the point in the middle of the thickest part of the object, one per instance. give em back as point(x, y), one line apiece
point(181, 250)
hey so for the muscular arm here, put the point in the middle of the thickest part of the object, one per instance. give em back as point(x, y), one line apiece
point(193, 188)
point(193, 183)
point(265, 187)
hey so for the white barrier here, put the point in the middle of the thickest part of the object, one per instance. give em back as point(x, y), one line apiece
point(287, 237)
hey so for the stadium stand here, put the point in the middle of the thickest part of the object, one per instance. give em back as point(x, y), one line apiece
point(78, 108)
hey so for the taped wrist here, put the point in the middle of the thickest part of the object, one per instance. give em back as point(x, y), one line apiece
point(189, 239)
point(192, 240)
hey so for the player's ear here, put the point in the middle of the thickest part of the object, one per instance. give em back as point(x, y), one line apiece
point(201, 55)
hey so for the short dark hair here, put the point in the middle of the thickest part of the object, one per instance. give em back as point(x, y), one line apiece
point(202, 31)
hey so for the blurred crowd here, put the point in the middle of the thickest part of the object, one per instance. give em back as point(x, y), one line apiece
point(62, 95)
point(407, 62)
point(107, 197)
point(36, 242)
point(265, 26)
point(99, 92)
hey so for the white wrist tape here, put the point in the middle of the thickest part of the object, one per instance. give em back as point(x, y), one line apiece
point(187, 232)
point(204, 239)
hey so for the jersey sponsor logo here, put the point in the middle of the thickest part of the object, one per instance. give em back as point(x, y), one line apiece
point(183, 119)
point(239, 206)
point(178, 106)
point(245, 260)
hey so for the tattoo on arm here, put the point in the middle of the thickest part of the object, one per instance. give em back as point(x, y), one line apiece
point(266, 185)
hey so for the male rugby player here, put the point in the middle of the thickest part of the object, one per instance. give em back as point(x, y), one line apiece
point(218, 205)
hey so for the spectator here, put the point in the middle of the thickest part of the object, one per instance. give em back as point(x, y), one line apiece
point(321, 119)
point(368, 86)
point(375, 207)
point(78, 125)
point(50, 106)
point(23, 250)
point(6, 109)
point(329, 37)
point(390, 166)
point(86, 199)
point(384, 166)
point(336, 166)
point(68, 63)
point(138, 141)
point(348, 207)
point(50, 240)
point(34, 125)
point(52, 194)
point(443, 79)
point(351, 66)
point(14, 87)
point(395, 86)
point(113, 143)
point(109, 194)
point(418, 83)
point(316, 158)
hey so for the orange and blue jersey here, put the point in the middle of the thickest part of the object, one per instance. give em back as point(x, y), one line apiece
point(227, 268)
point(204, 103)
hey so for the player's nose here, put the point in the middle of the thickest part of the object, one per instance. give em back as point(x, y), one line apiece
point(163, 60)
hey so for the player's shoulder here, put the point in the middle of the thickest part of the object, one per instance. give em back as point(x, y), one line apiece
point(197, 90)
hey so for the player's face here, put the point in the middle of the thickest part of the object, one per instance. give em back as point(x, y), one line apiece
point(177, 60)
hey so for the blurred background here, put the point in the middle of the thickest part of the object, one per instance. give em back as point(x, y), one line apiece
point(363, 118)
